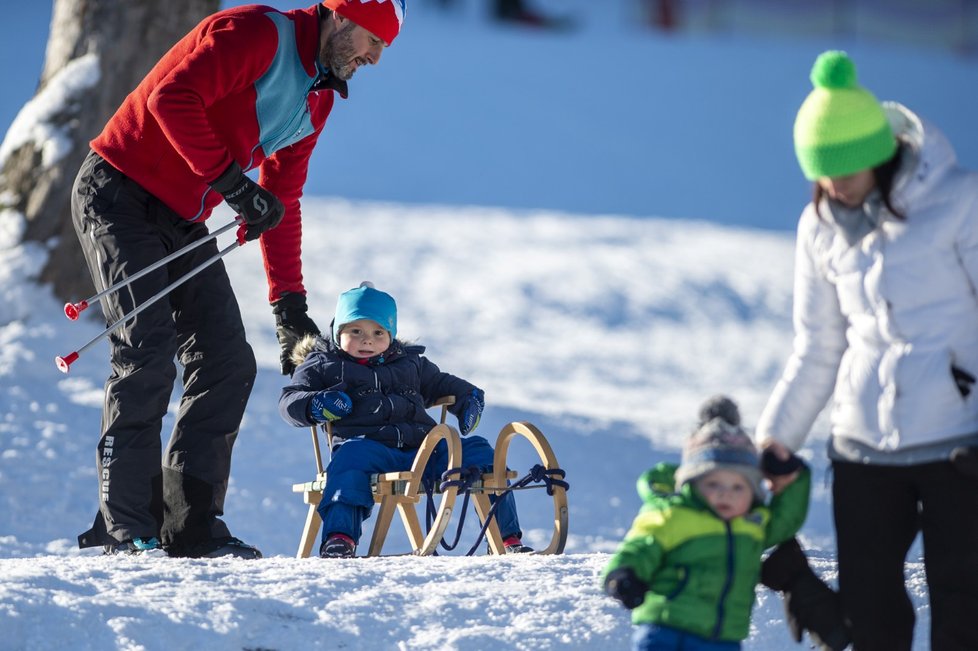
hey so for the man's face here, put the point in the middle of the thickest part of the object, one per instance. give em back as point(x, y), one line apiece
point(349, 47)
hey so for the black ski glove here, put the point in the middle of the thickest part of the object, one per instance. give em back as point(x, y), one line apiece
point(291, 324)
point(772, 465)
point(625, 586)
point(809, 604)
point(260, 208)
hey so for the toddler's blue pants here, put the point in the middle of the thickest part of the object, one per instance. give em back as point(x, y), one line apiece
point(347, 499)
point(651, 637)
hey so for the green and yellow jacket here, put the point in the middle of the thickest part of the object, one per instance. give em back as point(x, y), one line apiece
point(702, 570)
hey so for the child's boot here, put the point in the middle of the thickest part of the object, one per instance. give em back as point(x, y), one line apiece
point(809, 604)
point(514, 545)
point(338, 545)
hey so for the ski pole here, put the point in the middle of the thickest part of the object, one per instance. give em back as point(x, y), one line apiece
point(72, 310)
point(64, 363)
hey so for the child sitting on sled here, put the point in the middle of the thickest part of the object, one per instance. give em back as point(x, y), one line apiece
point(374, 389)
point(689, 565)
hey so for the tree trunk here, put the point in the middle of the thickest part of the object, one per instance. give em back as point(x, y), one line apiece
point(97, 52)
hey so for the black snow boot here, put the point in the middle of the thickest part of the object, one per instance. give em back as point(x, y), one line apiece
point(135, 547)
point(224, 547)
point(809, 604)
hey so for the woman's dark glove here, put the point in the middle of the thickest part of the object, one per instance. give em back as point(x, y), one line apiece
point(809, 604)
point(771, 465)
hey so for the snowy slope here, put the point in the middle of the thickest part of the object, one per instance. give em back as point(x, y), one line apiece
point(559, 296)
point(563, 322)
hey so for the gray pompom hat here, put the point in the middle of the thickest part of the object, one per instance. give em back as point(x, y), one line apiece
point(719, 444)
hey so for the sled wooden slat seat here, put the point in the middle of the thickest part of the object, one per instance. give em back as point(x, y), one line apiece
point(396, 483)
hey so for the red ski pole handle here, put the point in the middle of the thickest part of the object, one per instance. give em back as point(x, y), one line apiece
point(64, 363)
point(72, 310)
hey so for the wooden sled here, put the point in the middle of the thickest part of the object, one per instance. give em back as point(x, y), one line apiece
point(402, 491)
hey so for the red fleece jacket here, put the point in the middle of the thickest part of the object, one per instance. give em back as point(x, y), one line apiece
point(198, 109)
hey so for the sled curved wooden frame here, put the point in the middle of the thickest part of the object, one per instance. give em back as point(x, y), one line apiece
point(401, 491)
point(549, 460)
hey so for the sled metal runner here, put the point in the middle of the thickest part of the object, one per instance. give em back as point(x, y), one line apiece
point(403, 491)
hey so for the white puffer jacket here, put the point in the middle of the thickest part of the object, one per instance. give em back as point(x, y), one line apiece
point(879, 324)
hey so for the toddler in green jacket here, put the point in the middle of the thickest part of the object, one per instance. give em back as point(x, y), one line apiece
point(689, 565)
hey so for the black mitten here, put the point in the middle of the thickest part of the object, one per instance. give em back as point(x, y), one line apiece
point(809, 604)
point(626, 587)
point(772, 465)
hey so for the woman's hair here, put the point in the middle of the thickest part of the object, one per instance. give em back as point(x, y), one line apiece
point(884, 174)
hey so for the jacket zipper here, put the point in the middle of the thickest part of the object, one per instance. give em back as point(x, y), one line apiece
point(727, 584)
point(288, 124)
point(400, 436)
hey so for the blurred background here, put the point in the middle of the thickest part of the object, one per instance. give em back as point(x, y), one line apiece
point(674, 108)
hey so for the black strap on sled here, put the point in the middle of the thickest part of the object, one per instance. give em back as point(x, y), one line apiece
point(550, 477)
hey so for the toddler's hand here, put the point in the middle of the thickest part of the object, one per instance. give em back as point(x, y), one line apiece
point(329, 406)
point(470, 411)
point(625, 586)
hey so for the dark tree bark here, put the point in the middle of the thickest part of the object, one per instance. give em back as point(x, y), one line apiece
point(123, 40)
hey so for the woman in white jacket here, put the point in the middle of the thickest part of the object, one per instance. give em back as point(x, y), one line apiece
point(886, 324)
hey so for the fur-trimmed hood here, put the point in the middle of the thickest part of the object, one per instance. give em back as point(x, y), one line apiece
point(306, 345)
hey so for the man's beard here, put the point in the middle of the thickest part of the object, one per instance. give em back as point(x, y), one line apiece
point(338, 53)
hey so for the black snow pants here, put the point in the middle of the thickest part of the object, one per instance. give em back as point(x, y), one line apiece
point(878, 512)
point(177, 497)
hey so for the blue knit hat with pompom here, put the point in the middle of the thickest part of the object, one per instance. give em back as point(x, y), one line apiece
point(365, 302)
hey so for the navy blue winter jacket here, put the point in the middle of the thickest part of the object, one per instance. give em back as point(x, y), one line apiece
point(389, 392)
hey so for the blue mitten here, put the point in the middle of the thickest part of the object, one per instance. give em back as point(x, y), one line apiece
point(470, 411)
point(330, 406)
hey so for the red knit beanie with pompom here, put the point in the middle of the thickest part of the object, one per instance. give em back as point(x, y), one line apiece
point(382, 18)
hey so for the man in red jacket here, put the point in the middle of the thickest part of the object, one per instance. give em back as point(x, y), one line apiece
point(249, 87)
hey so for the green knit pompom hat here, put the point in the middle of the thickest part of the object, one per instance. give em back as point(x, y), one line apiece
point(840, 128)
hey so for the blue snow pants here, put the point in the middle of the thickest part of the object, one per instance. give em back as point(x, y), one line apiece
point(347, 499)
point(652, 637)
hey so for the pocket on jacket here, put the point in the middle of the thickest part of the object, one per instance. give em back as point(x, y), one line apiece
point(98, 189)
point(683, 572)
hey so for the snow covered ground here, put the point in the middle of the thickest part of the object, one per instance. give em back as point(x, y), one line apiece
point(513, 213)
